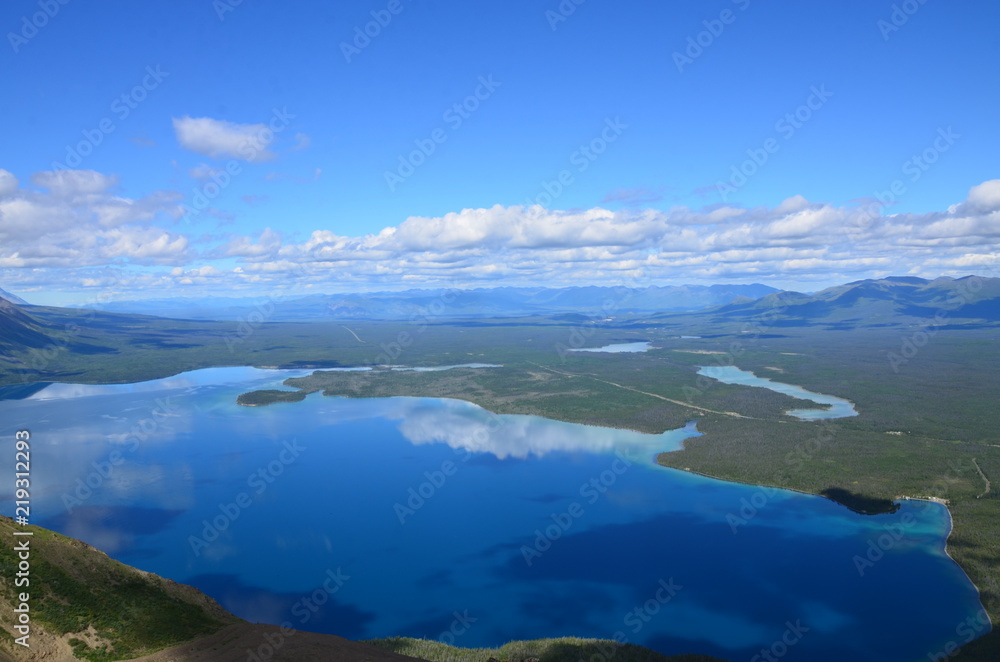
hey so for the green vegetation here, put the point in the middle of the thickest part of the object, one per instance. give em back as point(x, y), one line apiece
point(565, 649)
point(634, 393)
point(75, 587)
point(859, 503)
point(258, 398)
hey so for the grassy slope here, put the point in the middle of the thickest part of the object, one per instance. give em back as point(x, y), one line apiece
point(565, 649)
point(115, 611)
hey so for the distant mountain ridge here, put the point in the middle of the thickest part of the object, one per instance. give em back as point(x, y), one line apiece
point(18, 329)
point(479, 302)
point(37, 337)
point(871, 302)
point(13, 298)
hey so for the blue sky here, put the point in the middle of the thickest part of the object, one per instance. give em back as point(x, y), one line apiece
point(637, 143)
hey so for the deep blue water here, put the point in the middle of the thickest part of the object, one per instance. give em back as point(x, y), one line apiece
point(606, 531)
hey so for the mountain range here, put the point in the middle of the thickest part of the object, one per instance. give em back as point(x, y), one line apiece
point(39, 343)
point(885, 302)
point(471, 303)
point(969, 302)
point(868, 302)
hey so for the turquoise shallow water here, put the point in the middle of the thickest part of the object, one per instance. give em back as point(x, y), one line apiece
point(441, 520)
point(838, 407)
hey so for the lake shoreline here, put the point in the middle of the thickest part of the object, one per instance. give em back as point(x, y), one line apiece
point(708, 475)
point(937, 500)
point(802, 393)
point(951, 529)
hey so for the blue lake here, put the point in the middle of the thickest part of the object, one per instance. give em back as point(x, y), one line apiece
point(838, 407)
point(617, 348)
point(441, 520)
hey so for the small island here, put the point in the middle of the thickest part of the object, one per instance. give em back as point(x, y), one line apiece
point(268, 397)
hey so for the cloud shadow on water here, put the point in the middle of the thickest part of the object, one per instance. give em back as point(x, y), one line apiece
point(723, 574)
point(261, 605)
point(112, 529)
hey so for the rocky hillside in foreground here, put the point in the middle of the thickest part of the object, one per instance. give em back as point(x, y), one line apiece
point(86, 605)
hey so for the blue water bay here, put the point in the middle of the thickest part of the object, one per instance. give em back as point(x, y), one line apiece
point(419, 514)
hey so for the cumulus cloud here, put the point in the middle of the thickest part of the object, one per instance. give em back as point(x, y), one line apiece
point(266, 244)
point(8, 183)
point(797, 239)
point(983, 198)
point(76, 221)
point(220, 139)
point(524, 227)
point(791, 205)
point(74, 183)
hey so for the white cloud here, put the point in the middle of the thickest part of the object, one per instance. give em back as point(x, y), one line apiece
point(524, 227)
point(74, 183)
point(8, 183)
point(266, 244)
point(791, 205)
point(502, 245)
point(77, 222)
point(805, 223)
point(145, 245)
point(984, 197)
point(203, 275)
point(220, 139)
